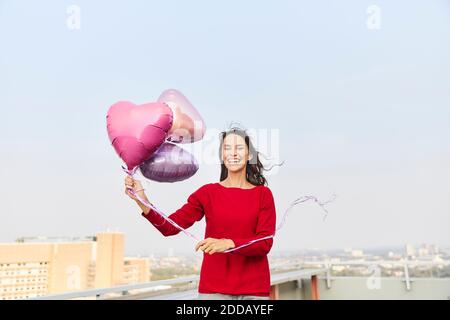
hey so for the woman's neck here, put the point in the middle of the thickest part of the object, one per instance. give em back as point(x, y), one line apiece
point(236, 180)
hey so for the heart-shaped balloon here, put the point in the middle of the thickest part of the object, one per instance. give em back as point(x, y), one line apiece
point(137, 131)
point(169, 163)
point(188, 125)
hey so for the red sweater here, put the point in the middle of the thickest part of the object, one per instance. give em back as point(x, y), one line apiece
point(233, 213)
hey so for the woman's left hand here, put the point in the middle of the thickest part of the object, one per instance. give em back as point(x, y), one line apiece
point(212, 245)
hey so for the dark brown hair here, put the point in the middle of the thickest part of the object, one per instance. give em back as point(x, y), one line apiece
point(254, 167)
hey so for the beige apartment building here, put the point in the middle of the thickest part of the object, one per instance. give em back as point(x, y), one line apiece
point(31, 269)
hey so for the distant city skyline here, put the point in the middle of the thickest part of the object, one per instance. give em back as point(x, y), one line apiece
point(172, 252)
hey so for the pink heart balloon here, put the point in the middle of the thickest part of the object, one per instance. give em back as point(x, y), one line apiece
point(137, 131)
point(188, 125)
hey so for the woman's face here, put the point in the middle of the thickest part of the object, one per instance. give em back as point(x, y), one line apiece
point(234, 152)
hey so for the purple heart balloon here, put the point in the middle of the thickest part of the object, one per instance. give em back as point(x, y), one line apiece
point(169, 163)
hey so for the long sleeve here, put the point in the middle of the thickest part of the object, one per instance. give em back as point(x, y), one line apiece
point(265, 227)
point(185, 217)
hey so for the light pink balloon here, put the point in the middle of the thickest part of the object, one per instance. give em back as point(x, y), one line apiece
point(188, 125)
point(137, 131)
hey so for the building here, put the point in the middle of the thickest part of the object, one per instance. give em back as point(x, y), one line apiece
point(133, 270)
point(410, 250)
point(357, 253)
point(40, 266)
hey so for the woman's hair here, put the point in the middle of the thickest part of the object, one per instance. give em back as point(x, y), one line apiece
point(254, 167)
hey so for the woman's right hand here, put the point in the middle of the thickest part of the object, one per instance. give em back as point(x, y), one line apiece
point(133, 184)
point(136, 186)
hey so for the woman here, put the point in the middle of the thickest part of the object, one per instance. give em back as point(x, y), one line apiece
point(237, 209)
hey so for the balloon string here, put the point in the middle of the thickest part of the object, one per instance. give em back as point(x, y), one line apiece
point(283, 220)
point(297, 201)
point(151, 206)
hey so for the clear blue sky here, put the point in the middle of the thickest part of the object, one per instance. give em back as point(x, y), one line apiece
point(361, 113)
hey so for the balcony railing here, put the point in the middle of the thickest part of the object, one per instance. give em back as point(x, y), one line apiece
point(126, 291)
point(302, 283)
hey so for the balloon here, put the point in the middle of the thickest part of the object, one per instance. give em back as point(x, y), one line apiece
point(169, 163)
point(188, 125)
point(137, 131)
